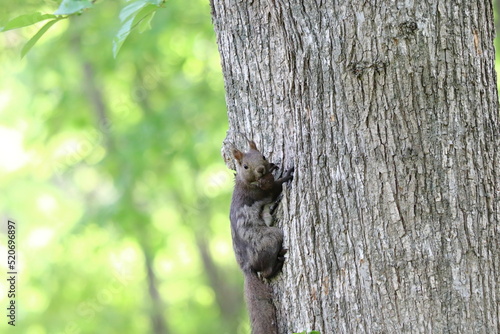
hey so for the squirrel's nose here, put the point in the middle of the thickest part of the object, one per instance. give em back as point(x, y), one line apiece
point(260, 170)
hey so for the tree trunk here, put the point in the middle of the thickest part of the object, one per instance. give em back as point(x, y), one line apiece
point(389, 112)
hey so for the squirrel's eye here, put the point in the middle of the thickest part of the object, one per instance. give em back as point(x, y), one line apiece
point(245, 166)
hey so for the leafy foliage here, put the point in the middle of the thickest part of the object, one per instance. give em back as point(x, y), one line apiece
point(70, 7)
point(26, 20)
point(136, 15)
point(37, 36)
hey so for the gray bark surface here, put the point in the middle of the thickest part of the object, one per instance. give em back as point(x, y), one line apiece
point(389, 112)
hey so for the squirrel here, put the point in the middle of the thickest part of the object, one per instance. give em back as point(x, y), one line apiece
point(258, 247)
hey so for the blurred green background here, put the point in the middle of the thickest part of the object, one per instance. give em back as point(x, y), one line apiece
point(111, 169)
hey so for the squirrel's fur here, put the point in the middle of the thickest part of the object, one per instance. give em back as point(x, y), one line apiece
point(258, 247)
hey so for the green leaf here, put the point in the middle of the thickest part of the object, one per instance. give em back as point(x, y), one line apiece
point(37, 36)
point(156, 2)
point(131, 9)
point(68, 7)
point(145, 23)
point(121, 36)
point(26, 20)
point(140, 18)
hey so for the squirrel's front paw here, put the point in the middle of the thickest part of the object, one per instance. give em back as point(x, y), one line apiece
point(289, 173)
point(272, 167)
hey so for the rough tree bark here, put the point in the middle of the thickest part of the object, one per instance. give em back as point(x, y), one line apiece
point(389, 112)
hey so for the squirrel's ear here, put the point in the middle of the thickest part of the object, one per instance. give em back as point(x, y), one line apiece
point(237, 155)
point(252, 145)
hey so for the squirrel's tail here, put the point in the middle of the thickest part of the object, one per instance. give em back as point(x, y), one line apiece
point(260, 305)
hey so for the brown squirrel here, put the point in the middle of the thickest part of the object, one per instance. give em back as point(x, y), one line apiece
point(258, 247)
